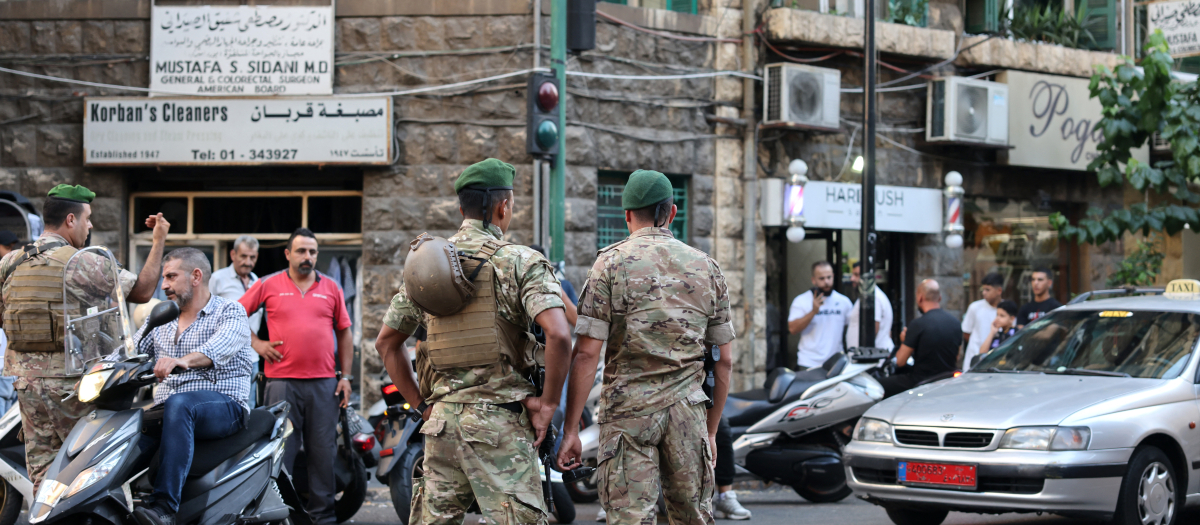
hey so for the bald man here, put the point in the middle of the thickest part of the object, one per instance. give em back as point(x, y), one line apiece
point(931, 340)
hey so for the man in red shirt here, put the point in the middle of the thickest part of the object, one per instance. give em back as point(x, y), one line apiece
point(304, 311)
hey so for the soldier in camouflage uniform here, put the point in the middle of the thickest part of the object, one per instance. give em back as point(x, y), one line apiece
point(35, 354)
point(479, 443)
point(659, 304)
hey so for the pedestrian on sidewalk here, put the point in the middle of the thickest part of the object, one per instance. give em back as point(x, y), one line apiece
point(304, 311)
point(977, 322)
point(1003, 327)
point(819, 316)
point(883, 316)
point(1042, 283)
point(232, 282)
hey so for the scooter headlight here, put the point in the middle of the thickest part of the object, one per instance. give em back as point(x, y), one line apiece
point(91, 384)
point(91, 475)
point(50, 492)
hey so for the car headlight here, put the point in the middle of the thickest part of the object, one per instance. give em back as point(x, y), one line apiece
point(1047, 438)
point(873, 430)
point(91, 475)
point(91, 384)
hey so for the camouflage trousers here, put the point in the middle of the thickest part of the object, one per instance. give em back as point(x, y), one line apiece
point(478, 452)
point(46, 420)
point(667, 449)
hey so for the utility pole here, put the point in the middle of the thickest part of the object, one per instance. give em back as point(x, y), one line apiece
point(556, 197)
point(866, 290)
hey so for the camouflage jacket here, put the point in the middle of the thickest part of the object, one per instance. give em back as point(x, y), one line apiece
point(525, 287)
point(91, 277)
point(658, 302)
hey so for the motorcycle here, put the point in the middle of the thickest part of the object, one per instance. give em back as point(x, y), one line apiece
point(356, 444)
point(403, 456)
point(104, 470)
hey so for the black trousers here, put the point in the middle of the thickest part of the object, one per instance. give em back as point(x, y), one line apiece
point(898, 383)
point(725, 470)
point(314, 415)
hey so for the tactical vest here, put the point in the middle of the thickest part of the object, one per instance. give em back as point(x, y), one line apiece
point(477, 335)
point(33, 301)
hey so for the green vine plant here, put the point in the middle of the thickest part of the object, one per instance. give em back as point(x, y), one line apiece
point(1141, 267)
point(1137, 103)
point(907, 12)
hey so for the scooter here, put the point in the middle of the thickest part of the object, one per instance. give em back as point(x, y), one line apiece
point(17, 488)
point(103, 470)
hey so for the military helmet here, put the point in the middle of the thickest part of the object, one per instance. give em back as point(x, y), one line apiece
point(434, 277)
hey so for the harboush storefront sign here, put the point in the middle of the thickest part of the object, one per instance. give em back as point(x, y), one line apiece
point(241, 50)
point(160, 131)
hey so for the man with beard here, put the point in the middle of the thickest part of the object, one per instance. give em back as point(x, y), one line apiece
point(304, 311)
point(819, 316)
point(32, 306)
point(210, 342)
point(231, 282)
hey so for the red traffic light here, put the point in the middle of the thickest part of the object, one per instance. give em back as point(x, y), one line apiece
point(547, 97)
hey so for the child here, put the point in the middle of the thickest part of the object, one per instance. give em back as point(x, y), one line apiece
point(1003, 327)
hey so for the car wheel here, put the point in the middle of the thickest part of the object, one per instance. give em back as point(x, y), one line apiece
point(910, 516)
point(1150, 491)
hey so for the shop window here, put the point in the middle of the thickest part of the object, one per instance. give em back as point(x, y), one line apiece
point(610, 217)
point(1013, 238)
point(246, 214)
point(174, 209)
point(681, 6)
point(335, 214)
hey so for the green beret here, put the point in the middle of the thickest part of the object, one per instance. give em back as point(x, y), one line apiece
point(72, 193)
point(490, 174)
point(645, 188)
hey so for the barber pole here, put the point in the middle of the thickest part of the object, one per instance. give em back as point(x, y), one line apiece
point(954, 193)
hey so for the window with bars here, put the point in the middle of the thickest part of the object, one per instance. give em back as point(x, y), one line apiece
point(680, 6)
point(610, 217)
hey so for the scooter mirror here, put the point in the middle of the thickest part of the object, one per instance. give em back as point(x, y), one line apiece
point(162, 313)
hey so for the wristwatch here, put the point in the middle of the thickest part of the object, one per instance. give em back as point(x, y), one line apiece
point(348, 378)
point(422, 407)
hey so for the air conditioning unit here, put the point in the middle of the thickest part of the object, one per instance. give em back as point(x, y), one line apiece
point(967, 110)
point(802, 96)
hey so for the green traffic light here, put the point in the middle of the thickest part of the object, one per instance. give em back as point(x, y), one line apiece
point(547, 134)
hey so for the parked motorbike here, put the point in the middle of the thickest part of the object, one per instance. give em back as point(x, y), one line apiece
point(17, 488)
point(356, 443)
point(104, 470)
point(403, 456)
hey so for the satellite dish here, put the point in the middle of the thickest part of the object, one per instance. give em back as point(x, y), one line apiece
point(971, 110)
point(805, 96)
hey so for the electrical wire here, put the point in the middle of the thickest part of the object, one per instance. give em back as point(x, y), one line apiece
point(686, 138)
point(663, 34)
point(708, 74)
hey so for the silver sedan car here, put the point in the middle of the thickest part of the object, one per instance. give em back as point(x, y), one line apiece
point(1090, 411)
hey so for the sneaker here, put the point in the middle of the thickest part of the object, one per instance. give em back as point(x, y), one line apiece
point(726, 506)
point(601, 516)
point(153, 515)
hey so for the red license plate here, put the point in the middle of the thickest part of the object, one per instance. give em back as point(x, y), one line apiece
point(936, 475)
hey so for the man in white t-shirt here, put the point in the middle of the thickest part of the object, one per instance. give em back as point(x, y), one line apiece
point(818, 318)
point(977, 322)
point(883, 316)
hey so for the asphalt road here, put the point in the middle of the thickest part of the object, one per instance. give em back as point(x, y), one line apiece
point(773, 507)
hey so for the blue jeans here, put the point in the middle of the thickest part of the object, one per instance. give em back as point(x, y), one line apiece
point(187, 417)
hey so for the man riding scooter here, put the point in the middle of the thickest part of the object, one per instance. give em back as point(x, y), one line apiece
point(203, 364)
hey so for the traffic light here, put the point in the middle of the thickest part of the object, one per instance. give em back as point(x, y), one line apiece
point(541, 130)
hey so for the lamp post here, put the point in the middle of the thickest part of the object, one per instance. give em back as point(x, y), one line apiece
point(866, 288)
point(954, 220)
point(793, 200)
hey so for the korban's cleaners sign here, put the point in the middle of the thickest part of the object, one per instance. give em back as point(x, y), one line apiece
point(837, 205)
point(1052, 122)
point(242, 50)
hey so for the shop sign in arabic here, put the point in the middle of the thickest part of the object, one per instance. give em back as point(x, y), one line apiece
point(160, 131)
point(242, 50)
point(1052, 122)
point(838, 205)
point(1180, 24)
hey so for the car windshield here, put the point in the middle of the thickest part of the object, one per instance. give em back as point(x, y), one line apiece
point(1108, 343)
